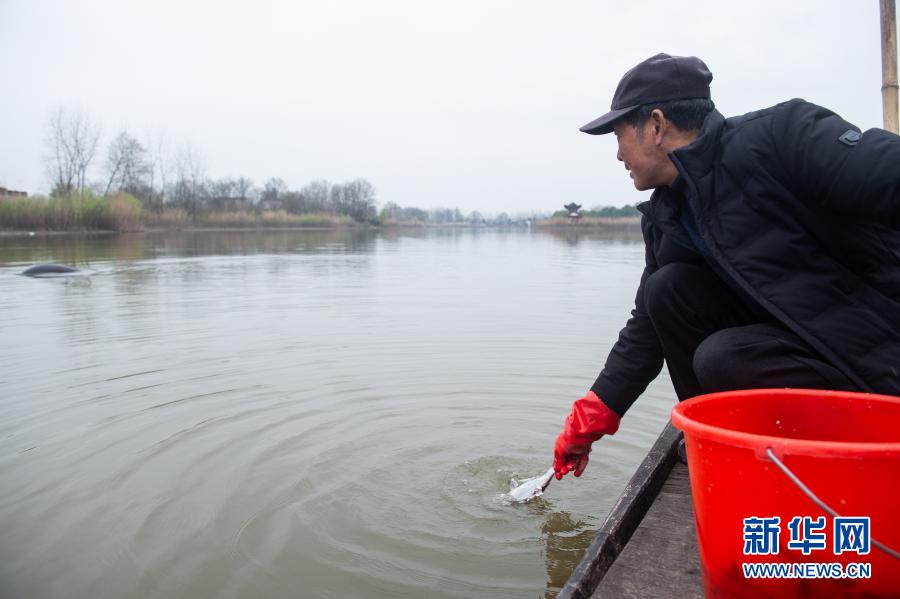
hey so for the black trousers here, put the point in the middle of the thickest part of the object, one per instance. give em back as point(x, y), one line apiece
point(713, 342)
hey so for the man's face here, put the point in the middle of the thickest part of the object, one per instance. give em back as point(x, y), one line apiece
point(648, 164)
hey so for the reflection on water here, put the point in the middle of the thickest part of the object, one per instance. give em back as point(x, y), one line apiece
point(82, 250)
point(573, 235)
point(565, 542)
point(313, 413)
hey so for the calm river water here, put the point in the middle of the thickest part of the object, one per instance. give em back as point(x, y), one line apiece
point(305, 414)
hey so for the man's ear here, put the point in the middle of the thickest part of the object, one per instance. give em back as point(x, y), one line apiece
point(658, 125)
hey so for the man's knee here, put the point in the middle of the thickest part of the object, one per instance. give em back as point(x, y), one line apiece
point(667, 284)
point(717, 362)
point(762, 355)
point(740, 358)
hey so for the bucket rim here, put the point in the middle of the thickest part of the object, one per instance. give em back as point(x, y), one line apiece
point(782, 445)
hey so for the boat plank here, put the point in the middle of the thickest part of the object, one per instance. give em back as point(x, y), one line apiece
point(660, 559)
point(624, 517)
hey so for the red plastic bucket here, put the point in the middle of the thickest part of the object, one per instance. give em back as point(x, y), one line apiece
point(844, 447)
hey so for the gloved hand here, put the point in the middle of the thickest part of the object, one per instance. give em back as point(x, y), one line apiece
point(589, 420)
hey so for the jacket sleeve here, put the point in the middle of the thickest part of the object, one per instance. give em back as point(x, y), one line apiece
point(859, 176)
point(636, 358)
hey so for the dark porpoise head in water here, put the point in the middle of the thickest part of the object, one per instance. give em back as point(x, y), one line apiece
point(48, 269)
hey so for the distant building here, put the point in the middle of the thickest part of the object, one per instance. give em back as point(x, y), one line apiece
point(10, 193)
point(574, 211)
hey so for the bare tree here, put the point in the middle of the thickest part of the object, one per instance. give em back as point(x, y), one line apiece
point(127, 166)
point(274, 188)
point(356, 199)
point(272, 195)
point(336, 201)
point(222, 194)
point(189, 176)
point(86, 136)
point(160, 168)
point(317, 196)
point(59, 162)
point(243, 187)
point(72, 143)
point(226, 187)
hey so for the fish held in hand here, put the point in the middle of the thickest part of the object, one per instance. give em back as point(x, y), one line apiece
point(530, 488)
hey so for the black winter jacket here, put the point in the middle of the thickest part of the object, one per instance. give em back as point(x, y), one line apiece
point(804, 214)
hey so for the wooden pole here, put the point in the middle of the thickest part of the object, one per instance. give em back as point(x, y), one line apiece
point(889, 64)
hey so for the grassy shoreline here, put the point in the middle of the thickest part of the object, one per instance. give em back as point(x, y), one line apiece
point(123, 213)
point(621, 223)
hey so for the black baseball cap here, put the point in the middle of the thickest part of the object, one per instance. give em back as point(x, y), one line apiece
point(660, 78)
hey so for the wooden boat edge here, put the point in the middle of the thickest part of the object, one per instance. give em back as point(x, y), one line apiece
point(625, 516)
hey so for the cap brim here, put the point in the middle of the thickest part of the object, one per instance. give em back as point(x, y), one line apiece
point(604, 124)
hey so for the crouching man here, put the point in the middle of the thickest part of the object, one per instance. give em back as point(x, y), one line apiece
point(772, 250)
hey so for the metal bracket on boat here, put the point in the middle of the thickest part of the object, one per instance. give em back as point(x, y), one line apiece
point(799, 483)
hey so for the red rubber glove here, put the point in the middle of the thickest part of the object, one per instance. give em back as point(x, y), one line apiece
point(589, 420)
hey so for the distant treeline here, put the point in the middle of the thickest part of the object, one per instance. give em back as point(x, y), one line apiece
point(81, 173)
point(133, 184)
point(395, 214)
point(273, 207)
point(603, 212)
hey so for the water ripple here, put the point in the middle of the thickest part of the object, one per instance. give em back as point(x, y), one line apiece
point(331, 413)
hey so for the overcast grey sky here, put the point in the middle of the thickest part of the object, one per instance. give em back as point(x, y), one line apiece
point(468, 104)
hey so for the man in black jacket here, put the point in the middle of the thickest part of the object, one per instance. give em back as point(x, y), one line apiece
point(772, 250)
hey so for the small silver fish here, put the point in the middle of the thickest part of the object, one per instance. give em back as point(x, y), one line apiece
point(530, 488)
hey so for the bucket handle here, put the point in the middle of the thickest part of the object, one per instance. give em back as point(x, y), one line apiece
point(771, 454)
